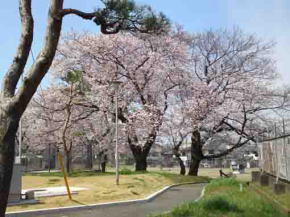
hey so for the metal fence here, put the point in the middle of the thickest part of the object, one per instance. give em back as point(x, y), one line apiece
point(274, 157)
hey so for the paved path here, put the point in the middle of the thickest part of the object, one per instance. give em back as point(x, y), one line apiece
point(164, 202)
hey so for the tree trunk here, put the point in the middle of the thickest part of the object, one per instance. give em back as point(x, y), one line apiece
point(104, 159)
point(194, 166)
point(180, 161)
point(68, 160)
point(14, 104)
point(140, 153)
point(140, 162)
point(8, 129)
point(182, 166)
point(196, 153)
point(89, 159)
point(140, 156)
point(103, 167)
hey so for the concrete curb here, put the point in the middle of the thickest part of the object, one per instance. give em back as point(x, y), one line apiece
point(201, 195)
point(98, 205)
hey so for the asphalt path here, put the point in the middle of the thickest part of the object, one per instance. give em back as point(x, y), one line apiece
point(162, 203)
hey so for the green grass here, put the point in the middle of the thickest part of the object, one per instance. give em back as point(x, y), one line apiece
point(215, 183)
point(219, 203)
point(283, 199)
point(223, 198)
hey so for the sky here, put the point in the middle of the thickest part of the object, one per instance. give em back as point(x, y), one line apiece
point(268, 19)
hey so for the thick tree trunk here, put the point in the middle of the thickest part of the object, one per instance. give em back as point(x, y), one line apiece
point(140, 162)
point(196, 153)
point(193, 167)
point(140, 156)
point(140, 153)
point(8, 129)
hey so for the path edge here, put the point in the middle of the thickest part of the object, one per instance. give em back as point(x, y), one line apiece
point(99, 205)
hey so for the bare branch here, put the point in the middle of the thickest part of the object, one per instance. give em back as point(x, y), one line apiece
point(17, 67)
point(43, 60)
point(84, 15)
point(226, 152)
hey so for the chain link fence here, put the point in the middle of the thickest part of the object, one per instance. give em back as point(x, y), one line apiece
point(274, 157)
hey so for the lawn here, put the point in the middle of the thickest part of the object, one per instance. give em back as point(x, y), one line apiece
point(102, 187)
point(223, 198)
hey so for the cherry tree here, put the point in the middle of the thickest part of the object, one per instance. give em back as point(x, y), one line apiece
point(81, 133)
point(229, 84)
point(147, 67)
point(62, 108)
point(73, 117)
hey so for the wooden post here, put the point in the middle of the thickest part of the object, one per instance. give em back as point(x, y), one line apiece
point(64, 174)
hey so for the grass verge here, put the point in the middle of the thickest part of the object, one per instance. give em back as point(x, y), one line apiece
point(282, 199)
point(224, 198)
point(102, 187)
